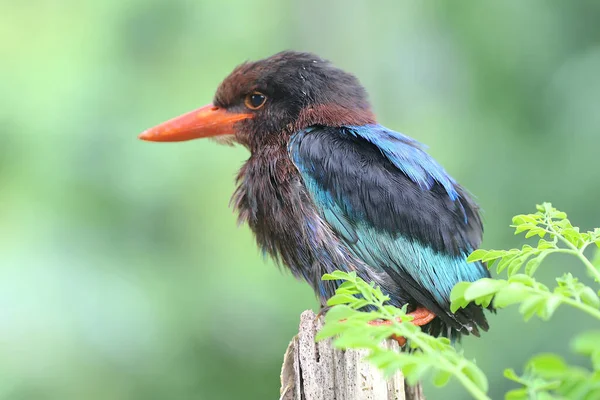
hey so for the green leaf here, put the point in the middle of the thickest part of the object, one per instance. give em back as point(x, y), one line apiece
point(528, 249)
point(360, 303)
point(476, 376)
point(510, 373)
point(414, 372)
point(458, 291)
point(485, 301)
point(382, 359)
point(572, 235)
point(366, 291)
point(596, 259)
point(441, 378)
point(515, 264)
point(347, 290)
point(339, 275)
point(595, 357)
point(552, 385)
point(330, 329)
point(502, 264)
point(477, 255)
point(457, 299)
point(511, 294)
point(544, 244)
point(379, 294)
point(525, 218)
point(547, 365)
point(551, 305)
point(586, 343)
point(589, 297)
point(339, 312)
point(493, 255)
point(520, 228)
point(517, 394)
point(532, 265)
point(559, 215)
point(518, 220)
point(564, 224)
point(355, 341)
point(483, 287)
point(347, 285)
point(523, 279)
point(341, 298)
point(524, 227)
point(531, 306)
point(535, 231)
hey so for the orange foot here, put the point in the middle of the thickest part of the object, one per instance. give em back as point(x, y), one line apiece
point(421, 316)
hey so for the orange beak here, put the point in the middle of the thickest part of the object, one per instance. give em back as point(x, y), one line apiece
point(204, 122)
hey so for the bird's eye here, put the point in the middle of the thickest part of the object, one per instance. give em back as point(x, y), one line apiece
point(255, 100)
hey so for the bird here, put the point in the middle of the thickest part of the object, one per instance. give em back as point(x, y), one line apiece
point(326, 187)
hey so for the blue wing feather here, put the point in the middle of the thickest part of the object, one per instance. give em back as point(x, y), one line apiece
point(394, 207)
point(408, 156)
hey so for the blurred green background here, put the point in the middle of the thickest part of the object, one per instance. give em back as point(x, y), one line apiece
point(123, 274)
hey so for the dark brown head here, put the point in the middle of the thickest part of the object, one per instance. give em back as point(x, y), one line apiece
point(263, 102)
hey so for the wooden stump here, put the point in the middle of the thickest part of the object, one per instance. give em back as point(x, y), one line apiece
point(318, 371)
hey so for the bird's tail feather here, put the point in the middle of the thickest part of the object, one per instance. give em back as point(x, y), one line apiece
point(467, 321)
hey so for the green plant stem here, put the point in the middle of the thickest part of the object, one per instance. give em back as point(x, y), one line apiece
point(583, 307)
point(579, 254)
point(447, 366)
point(572, 302)
point(467, 384)
point(471, 388)
point(574, 250)
point(595, 273)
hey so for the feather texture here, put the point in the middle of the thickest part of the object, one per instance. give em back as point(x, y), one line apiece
point(396, 210)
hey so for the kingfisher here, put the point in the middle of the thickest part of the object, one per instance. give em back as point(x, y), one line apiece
point(326, 187)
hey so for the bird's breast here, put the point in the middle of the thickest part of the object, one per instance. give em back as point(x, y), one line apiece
point(272, 199)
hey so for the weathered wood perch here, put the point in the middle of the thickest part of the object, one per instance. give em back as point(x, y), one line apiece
point(318, 371)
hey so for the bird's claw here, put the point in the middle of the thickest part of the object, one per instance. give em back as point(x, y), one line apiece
point(322, 312)
point(421, 316)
